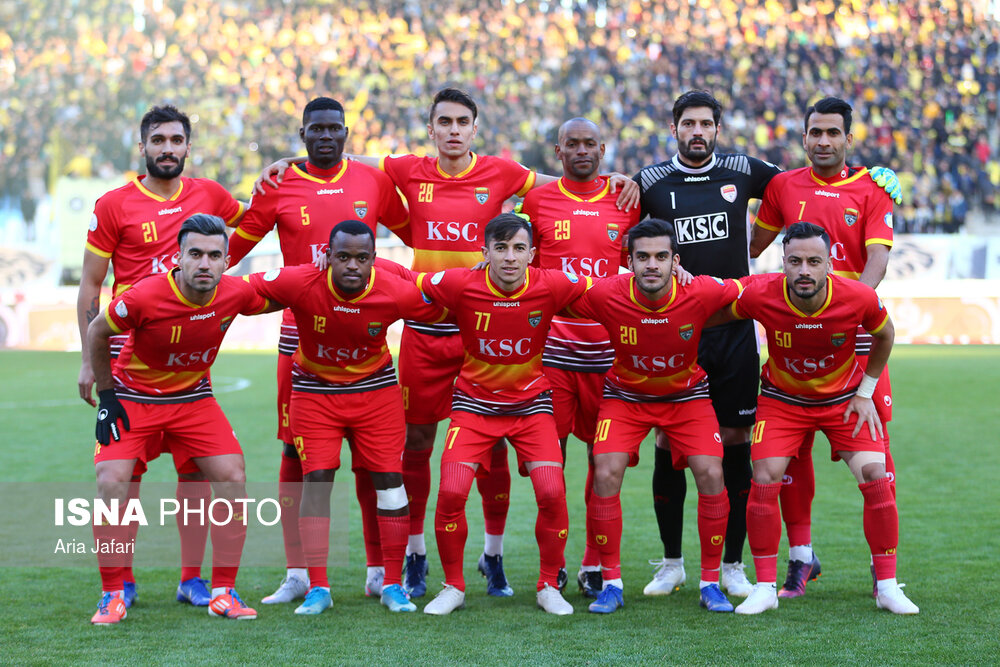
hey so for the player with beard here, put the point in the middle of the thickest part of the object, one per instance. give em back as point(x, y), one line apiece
point(705, 195)
point(134, 228)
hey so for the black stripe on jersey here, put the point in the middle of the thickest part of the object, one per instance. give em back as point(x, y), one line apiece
point(433, 329)
point(201, 390)
point(310, 384)
point(771, 391)
point(541, 404)
point(863, 343)
point(611, 390)
point(116, 343)
point(288, 340)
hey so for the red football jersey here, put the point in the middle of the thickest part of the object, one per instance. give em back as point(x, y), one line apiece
point(656, 343)
point(811, 359)
point(137, 230)
point(853, 210)
point(342, 337)
point(173, 341)
point(503, 333)
point(309, 202)
point(585, 236)
point(449, 213)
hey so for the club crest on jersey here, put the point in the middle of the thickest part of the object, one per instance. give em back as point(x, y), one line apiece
point(226, 321)
point(93, 223)
point(361, 208)
point(686, 331)
point(729, 192)
point(121, 310)
point(482, 195)
point(612, 231)
point(437, 277)
point(838, 339)
point(272, 275)
point(850, 216)
point(374, 328)
point(888, 220)
point(535, 318)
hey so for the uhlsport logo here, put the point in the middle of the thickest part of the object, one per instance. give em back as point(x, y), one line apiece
point(601, 539)
point(563, 533)
point(717, 540)
point(450, 527)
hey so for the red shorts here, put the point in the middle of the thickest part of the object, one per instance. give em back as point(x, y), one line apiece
point(883, 392)
point(471, 437)
point(428, 366)
point(186, 430)
point(690, 426)
point(371, 420)
point(781, 427)
point(284, 397)
point(576, 398)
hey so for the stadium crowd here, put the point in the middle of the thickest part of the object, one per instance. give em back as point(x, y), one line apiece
point(923, 76)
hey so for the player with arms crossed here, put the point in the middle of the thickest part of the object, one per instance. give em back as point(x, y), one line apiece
point(343, 383)
point(655, 381)
point(134, 228)
point(812, 381)
point(578, 228)
point(857, 215)
point(313, 197)
point(177, 322)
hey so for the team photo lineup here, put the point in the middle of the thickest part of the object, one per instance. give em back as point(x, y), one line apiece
point(605, 306)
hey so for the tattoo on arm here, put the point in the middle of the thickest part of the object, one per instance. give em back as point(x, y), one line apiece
point(95, 308)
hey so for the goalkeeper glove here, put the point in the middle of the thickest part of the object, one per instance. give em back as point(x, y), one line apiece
point(886, 179)
point(109, 411)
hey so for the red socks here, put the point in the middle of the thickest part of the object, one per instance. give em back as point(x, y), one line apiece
point(713, 515)
point(290, 492)
point(591, 555)
point(193, 528)
point(315, 532)
point(552, 523)
point(417, 480)
point(604, 516)
point(393, 532)
point(112, 565)
point(368, 501)
point(764, 529)
point(495, 491)
point(227, 548)
point(881, 522)
point(797, 495)
point(450, 526)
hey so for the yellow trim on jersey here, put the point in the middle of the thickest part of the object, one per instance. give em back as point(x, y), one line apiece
point(151, 195)
point(853, 275)
point(316, 179)
point(829, 298)
point(121, 289)
point(763, 225)
point(464, 172)
point(249, 237)
point(97, 251)
point(836, 184)
point(182, 298)
point(364, 292)
point(673, 295)
point(881, 326)
point(874, 241)
point(496, 291)
point(235, 220)
point(111, 322)
point(529, 183)
point(599, 195)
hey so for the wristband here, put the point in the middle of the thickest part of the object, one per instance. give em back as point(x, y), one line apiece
point(867, 387)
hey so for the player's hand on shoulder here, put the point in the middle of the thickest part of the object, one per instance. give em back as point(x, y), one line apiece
point(628, 198)
point(886, 179)
point(684, 277)
point(867, 414)
point(480, 266)
point(320, 262)
point(271, 176)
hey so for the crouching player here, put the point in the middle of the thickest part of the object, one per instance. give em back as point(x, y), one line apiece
point(655, 381)
point(812, 381)
point(344, 384)
point(177, 322)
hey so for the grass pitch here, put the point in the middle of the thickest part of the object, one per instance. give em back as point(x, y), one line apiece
point(944, 440)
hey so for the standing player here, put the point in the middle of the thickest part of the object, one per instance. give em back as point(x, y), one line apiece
point(655, 381)
point(315, 196)
point(578, 228)
point(812, 381)
point(857, 215)
point(134, 228)
point(177, 321)
point(343, 383)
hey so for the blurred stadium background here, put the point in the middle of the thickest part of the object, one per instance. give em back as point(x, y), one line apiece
point(923, 76)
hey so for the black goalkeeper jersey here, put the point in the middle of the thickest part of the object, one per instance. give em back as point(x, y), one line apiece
point(708, 207)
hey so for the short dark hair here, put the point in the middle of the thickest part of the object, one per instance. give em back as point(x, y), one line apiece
point(167, 113)
point(205, 224)
point(652, 228)
point(321, 104)
point(831, 105)
point(458, 97)
point(697, 98)
point(352, 228)
point(504, 227)
point(806, 230)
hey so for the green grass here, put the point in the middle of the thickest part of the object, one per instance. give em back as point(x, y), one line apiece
point(944, 443)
